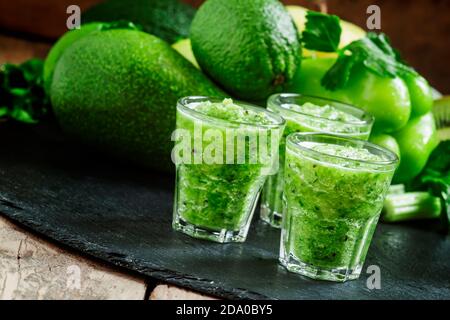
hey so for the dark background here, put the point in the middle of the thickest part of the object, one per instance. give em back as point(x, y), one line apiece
point(419, 28)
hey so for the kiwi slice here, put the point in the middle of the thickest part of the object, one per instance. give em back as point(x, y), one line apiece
point(441, 112)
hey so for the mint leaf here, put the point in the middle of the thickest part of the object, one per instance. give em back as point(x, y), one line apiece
point(322, 32)
point(32, 71)
point(19, 92)
point(21, 115)
point(3, 111)
point(382, 41)
point(374, 52)
point(373, 57)
point(339, 74)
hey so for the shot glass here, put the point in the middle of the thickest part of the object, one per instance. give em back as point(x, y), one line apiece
point(334, 192)
point(323, 115)
point(225, 152)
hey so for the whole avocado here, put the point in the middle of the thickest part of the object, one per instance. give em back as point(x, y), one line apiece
point(65, 41)
point(251, 48)
point(118, 89)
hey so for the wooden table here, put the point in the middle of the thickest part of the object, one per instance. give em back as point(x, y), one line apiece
point(35, 268)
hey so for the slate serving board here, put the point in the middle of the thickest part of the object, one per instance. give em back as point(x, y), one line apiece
point(122, 214)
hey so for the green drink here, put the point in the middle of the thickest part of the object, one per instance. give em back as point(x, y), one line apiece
point(228, 151)
point(334, 191)
point(308, 114)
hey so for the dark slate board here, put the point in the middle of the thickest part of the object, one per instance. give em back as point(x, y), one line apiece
point(122, 214)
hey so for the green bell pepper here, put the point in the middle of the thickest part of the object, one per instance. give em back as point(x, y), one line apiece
point(387, 141)
point(387, 99)
point(416, 141)
point(421, 94)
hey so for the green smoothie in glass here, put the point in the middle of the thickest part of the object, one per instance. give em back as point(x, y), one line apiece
point(308, 114)
point(229, 148)
point(334, 191)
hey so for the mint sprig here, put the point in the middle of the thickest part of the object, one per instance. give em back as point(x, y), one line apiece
point(22, 97)
point(374, 52)
point(322, 32)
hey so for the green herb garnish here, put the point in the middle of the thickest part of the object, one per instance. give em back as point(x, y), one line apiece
point(428, 194)
point(436, 178)
point(322, 32)
point(22, 96)
point(374, 52)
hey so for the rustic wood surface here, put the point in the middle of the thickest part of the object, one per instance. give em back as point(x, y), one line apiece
point(167, 292)
point(31, 268)
point(35, 269)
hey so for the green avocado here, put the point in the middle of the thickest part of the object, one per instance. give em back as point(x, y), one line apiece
point(169, 20)
point(65, 41)
point(118, 89)
point(251, 48)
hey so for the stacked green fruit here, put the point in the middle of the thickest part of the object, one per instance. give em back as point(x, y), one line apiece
point(403, 122)
point(117, 89)
point(251, 48)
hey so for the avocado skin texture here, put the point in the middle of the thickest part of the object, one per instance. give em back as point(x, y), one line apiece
point(169, 20)
point(251, 48)
point(65, 41)
point(118, 89)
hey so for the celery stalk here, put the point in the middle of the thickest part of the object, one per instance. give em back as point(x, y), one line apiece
point(411, 206)
point(396, 189)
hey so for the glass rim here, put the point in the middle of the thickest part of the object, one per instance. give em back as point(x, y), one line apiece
point(296, 138)
point(365, 119)
point(183, 103)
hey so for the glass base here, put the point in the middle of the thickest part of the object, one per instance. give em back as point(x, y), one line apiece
point(271, 217)
point(292, 264)
point(221, 236)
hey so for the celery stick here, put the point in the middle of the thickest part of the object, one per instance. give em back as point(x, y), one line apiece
point(396, 189)
point(411, 206)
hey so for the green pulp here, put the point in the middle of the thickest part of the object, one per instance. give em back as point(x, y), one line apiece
point(332, 209)
point(307, 118)
point(220, 196)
